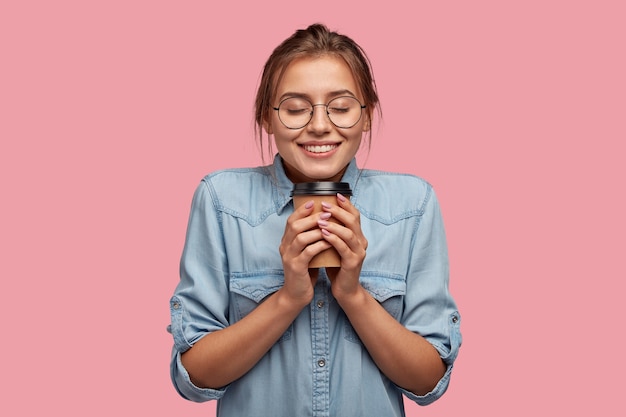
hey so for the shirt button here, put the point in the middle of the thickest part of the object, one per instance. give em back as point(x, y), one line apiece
point(320, 304)
point(176, 306)
point(321, 363)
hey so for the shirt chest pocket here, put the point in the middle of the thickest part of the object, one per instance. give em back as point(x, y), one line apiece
point(388, 291)
point(247, 292)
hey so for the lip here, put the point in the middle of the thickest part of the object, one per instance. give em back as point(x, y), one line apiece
point(318, 149)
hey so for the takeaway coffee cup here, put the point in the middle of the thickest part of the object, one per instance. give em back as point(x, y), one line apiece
point(319, 192)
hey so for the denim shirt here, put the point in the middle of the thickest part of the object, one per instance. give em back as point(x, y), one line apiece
point(319, 366)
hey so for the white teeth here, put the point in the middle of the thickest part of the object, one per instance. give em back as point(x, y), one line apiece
point(320, 149)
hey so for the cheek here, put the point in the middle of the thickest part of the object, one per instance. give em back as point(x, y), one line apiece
point(356, 133)
point(282, 134)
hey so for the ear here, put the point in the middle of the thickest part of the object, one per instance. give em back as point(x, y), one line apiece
point(268, 127)
point(367, 125)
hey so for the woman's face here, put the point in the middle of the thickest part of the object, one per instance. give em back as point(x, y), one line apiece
point(320, 151)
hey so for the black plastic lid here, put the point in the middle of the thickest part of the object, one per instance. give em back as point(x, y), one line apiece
point(321, 188)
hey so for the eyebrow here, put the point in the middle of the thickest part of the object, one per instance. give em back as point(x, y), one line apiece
point(335, 93)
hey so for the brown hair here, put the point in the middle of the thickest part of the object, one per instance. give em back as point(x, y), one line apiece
point(314, 41)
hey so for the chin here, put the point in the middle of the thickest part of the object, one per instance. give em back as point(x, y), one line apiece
point(326, 176)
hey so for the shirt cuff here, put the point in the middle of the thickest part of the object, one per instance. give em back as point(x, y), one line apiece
point(186, 388)
point(433, 395)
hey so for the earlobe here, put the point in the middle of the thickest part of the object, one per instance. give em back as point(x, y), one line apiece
point(366, 125)
point(268, 127)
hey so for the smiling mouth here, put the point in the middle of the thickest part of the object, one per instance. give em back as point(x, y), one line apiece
point(319, 148)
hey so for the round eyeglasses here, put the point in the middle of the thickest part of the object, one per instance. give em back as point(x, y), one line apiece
point(296, 112)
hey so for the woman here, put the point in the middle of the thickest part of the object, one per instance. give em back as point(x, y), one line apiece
point(254, 327)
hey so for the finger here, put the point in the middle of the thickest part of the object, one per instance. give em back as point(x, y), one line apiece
point(299, 221)
point(337, 234)
point(351, 256)
point(345, 213)
point(294, 260)
point(313, 249)
point(346, 204)
point(299, 252)
point(306, 207)
point(353, 241)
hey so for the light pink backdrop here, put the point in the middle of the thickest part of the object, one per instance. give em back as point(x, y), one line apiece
point(112, 111)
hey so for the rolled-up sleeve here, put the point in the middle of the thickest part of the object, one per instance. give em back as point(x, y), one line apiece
point(430, 310)
point(199, 305)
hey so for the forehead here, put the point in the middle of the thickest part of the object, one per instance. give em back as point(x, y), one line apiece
point(317, 77)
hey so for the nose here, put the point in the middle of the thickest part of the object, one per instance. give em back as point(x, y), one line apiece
point(320, 123)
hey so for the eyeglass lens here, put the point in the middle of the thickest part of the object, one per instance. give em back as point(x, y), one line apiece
point(296, 112)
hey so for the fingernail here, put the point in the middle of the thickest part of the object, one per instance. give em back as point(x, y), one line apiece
point(341, 197)
point(326, 205)
point(325, 216)
point(308, 204)
point(325, 232)
point(322, 223)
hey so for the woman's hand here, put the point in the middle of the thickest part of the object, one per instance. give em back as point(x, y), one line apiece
point(349, 241)
point(301, 241)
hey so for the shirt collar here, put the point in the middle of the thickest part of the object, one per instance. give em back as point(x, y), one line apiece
point(283, 185)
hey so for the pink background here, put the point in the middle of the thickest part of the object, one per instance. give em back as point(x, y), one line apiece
point(112, 111)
